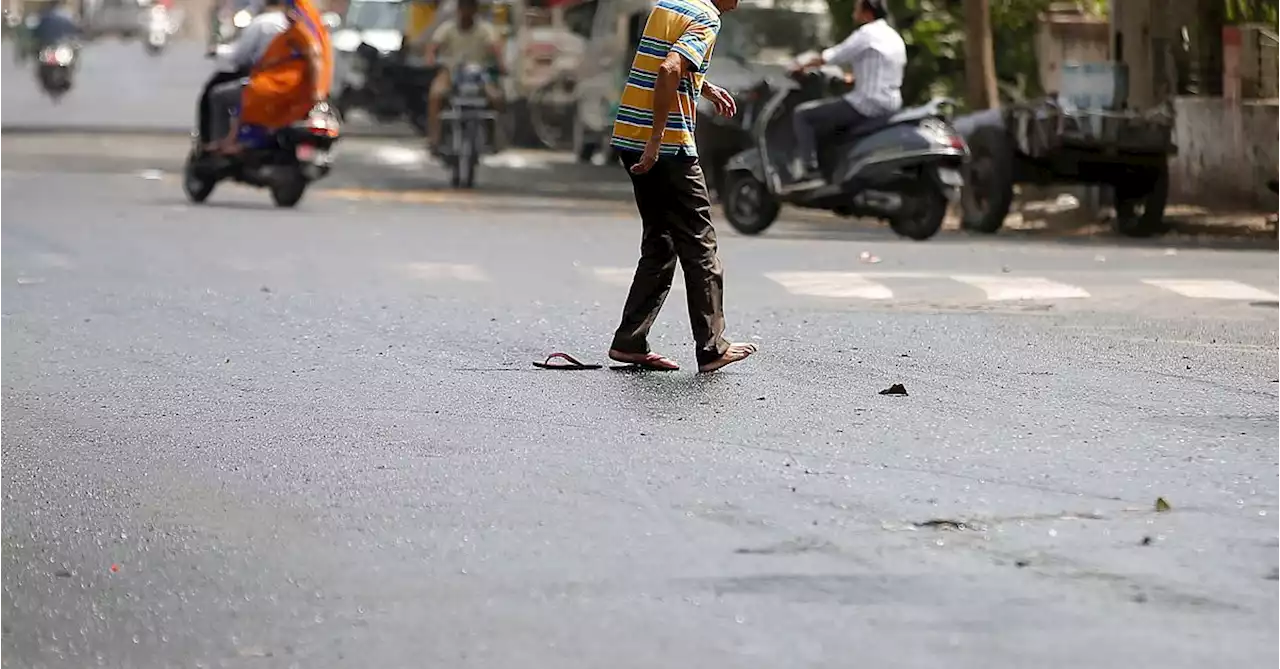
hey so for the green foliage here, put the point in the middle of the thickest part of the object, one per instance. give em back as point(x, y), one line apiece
point(1251, 11)
point(934, 33)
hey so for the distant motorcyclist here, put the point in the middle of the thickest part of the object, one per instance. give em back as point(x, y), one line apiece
point(878, 57)
point(468, 39)
point(56, 24)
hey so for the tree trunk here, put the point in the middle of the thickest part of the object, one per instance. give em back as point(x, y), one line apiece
point(980, 65)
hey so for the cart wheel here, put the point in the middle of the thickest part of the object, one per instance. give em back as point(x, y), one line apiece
point(988, 181)
point(1140, 204)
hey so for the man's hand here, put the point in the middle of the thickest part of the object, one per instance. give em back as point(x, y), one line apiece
point(802, 65)
point(725, 106)
point(649, 157)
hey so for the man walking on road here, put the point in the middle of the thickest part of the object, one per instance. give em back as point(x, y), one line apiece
point(653, 134)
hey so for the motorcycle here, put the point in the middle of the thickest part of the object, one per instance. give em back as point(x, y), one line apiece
point(386, 87)
point(54, 67)
point(285, 161)
point(159, 27)
point(467, 129)
point(904, 167)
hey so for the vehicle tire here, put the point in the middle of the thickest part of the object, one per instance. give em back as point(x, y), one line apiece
point(468, 157)
point(551, 109)
point(196, 187)
point(287, 189)
point(924, 218)
point(1140, 205)
point(748, 204)
point(988, 181)
point(584, 148)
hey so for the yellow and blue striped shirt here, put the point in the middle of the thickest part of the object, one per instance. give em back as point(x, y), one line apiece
point(688, 27)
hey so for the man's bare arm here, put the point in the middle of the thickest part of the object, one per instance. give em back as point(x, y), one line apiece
point(672, 70)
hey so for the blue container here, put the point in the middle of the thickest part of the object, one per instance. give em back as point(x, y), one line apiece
point(1095, 85)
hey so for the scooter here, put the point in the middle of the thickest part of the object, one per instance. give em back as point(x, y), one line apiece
point(386, 86)
point(904, 167)
point(159, 27)
point(54, 67)
point(284, 161)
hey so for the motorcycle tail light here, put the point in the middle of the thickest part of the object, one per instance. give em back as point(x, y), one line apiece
point(957, 142)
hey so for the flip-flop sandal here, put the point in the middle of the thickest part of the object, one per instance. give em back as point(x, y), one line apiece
point(570, 363)
point(645, 365)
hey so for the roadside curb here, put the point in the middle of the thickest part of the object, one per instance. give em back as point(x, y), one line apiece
point(166, 131)
point(544, 201)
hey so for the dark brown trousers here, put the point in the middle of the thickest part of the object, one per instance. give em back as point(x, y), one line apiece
point(676, 212)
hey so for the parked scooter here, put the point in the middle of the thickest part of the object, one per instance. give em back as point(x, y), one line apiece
point(468, 125)
point(385, 86)
point(904, 168)
point(55, 65)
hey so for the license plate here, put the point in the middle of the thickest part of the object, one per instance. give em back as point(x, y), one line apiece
point(951, 177)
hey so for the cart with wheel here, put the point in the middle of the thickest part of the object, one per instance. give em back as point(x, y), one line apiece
point(1045, 142)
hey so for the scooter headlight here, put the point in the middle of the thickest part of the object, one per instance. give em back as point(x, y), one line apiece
point(241, 19)
point(63, 55)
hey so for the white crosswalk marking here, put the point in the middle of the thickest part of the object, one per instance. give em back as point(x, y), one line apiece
point(435, 271)
point(621, 276)
point(1211, 289)
point(999, 287)
point(831, 284)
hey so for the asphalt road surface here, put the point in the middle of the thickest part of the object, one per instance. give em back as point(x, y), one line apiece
point(236, 436)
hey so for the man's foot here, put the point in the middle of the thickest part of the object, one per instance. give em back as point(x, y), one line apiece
point(735, 353)
point(645, 360)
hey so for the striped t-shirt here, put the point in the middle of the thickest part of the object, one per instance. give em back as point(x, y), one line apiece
point(689, 28)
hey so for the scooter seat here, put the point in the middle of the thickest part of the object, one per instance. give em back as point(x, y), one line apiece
point(877, 123)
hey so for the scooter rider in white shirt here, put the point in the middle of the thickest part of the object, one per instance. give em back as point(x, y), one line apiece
point(878, 57)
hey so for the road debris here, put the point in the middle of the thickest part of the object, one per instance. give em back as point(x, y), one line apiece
point(946, 524)
point(895, 389)
point(1162, 506)
point(869, 258)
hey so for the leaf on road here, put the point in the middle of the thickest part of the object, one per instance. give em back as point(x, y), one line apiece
point(895, 389)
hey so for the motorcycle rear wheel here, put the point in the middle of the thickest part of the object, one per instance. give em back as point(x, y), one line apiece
point(288, 188)
point(923, 218)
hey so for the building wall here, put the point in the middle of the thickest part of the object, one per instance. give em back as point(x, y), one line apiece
point(1227, 151)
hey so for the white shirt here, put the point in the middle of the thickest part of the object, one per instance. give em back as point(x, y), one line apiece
point(256, 37)
point(879, 57)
